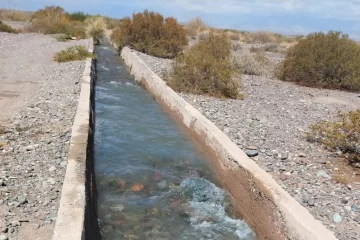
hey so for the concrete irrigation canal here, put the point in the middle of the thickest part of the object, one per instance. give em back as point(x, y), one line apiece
point(144, 164)
point(152, 182)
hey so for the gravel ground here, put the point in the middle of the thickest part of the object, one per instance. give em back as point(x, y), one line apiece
point(273, 120)
point(38, 101)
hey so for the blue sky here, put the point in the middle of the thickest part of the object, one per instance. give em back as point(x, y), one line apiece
point(285, 16)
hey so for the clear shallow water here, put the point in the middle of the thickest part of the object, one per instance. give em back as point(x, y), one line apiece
point(152, 182)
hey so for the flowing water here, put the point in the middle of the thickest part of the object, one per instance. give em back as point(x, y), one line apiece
point(152, 182)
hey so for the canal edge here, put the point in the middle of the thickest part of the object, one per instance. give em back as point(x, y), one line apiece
point(262, 201)
point(76, 211)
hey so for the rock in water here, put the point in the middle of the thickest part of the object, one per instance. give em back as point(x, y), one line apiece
point(201, 190)
point(162, 184)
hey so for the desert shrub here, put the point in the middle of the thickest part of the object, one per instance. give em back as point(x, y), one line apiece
point(234, 36)
point(195, 26)
point(50, 20)
point(53, 19)
point(246, 63)
point(206, 69)
point(78, 16)
point(341, 135)
point(77, 30)
point(329, 60)
point(236, 47)
point(62, 38)
point(255, 49)
point(6, 28)
point(74, 53)
point(112, 23)
point(151, 33)
point(261, 37)
point(95, 28)
point(272, 47)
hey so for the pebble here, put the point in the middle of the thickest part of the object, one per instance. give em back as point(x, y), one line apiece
point(322, 174)
point(252, 148)
point(354, 208)
point(22, 199)
point(311, 202)
point(283, 177)
point(162, 184)
point(29, 148)
point(52, 168)
point(347, 208)
point(252, 153)
point(337, 218)
point(3, 237)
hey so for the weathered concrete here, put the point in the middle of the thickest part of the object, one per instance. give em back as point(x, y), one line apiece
point(76, 204)
point(269, 209)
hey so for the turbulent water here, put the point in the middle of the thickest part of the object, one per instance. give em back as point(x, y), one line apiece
point(152, 182)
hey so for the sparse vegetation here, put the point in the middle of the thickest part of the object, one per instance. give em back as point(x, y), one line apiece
point(234, 36)
point(21, 16)
point(6, 28)
point(195, 26)
point(74, 53)
point(2, 130)
point(341, 135)
point(329, 60)
point(246, 63)
point(262, 37)
point(206, 69)
point(95, 28)
point(151, 33)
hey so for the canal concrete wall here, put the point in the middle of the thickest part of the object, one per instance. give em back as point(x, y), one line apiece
point(76, 218)
point(265, 206)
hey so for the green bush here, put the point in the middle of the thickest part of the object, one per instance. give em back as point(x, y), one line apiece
point(6, 28)
point(206, 69)
point(78, 16)
point(329, 60)
point(151, 33)
point(74, 53)
point(342, 135)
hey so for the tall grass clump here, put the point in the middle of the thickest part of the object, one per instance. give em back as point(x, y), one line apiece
point(206, 68)
point(95, 27)
point(151, 33)
point(329, 60)
point(6, 28)
point(343, 134)
point(74, 53)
